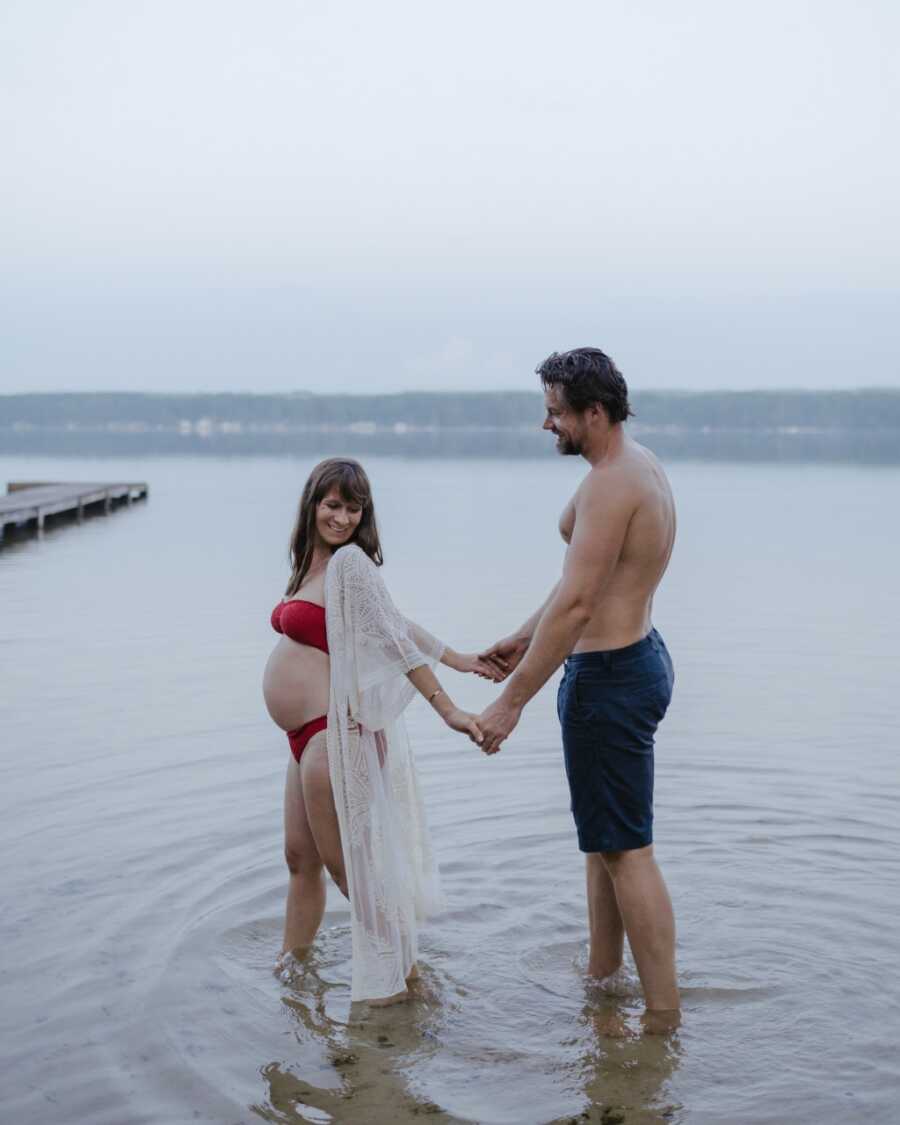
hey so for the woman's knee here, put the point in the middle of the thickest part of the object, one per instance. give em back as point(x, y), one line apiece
point(300, 861)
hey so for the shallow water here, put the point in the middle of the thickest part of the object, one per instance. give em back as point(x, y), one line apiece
point(141, 871)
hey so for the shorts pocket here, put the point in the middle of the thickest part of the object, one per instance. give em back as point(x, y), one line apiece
point(593, 697)
point(569, 705)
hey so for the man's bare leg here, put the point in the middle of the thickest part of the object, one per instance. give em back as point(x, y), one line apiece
point(646, 911)
point(604, 919)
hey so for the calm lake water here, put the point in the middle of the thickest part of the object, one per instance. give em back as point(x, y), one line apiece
point(141, 779)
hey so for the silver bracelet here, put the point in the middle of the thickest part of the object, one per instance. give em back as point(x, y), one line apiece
point(437, 691)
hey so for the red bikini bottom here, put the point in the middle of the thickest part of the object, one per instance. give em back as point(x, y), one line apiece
point(298, 738)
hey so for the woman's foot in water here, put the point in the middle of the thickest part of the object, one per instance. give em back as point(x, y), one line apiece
point(387, 1001)
point(661, 1021)
point(411, 977)
point(617, 982)
point(290, 961)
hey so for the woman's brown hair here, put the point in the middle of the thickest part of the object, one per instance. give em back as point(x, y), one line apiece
point(352, 483)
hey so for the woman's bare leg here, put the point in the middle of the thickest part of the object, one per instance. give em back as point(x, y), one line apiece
point(325, 828)
point(306, 887)
point(320, 810)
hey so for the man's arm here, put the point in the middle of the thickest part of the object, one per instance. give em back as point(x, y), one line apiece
point(526, 631)
point(602, 519)
point(506, 654)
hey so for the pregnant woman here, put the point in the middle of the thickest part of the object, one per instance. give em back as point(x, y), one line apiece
point(345, 667)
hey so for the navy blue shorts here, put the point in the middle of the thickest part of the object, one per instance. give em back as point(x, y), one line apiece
point(609, 706)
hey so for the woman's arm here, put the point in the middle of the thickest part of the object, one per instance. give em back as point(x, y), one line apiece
point(458, 661)
point(470, 662)
point(428, 685)
point(388, 639)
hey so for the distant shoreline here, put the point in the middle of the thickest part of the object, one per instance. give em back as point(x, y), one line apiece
point(837, 426)
point(843, 409)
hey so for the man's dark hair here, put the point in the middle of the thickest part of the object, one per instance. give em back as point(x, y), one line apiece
point(587, 377)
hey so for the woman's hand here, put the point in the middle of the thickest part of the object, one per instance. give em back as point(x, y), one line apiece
point(462, 721)
point(472, 662)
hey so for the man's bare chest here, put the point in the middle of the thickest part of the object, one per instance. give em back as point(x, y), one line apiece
point(567, 521)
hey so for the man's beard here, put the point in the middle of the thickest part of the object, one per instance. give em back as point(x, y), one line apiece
point(567, 446)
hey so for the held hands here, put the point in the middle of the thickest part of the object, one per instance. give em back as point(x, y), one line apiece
point(455, 717)
point(504, 656)
point(459, 720)
point(499, 720)
point(487, 730)
point(497, 723)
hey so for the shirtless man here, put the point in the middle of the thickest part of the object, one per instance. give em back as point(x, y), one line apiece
point(620, 527)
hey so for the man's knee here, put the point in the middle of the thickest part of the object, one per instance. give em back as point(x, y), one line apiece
point(621, 861)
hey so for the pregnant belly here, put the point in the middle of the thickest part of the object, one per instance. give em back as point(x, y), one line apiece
point(295, 684)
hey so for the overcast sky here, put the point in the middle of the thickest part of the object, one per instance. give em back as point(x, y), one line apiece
point(283, 195)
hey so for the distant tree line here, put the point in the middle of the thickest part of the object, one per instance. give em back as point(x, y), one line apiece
point(859, 446)
point(863, 409)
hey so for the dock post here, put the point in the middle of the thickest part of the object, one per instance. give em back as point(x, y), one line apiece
point(107, 504)
point(81, 511)
point(40, 524)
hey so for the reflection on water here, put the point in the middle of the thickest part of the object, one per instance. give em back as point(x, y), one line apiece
point(369, 1050)
point(625, 1076)
point(618, 1073)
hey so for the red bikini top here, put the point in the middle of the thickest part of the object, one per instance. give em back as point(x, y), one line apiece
point(303, 622)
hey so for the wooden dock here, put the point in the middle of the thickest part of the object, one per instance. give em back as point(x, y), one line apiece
point(27, 504)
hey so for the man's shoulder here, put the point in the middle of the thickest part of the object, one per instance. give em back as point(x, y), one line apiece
point(636, 471)
point(648, 456)
point(622, 475)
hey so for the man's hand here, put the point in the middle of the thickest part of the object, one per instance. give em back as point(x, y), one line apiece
point(496, 723)
point(505, 656)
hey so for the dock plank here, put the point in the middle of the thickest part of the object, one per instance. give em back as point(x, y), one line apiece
point(27, 501)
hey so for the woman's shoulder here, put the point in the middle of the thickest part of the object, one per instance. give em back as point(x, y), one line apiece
point(350, 558)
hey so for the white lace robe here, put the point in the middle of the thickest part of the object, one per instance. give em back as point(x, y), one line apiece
point(391, 876)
